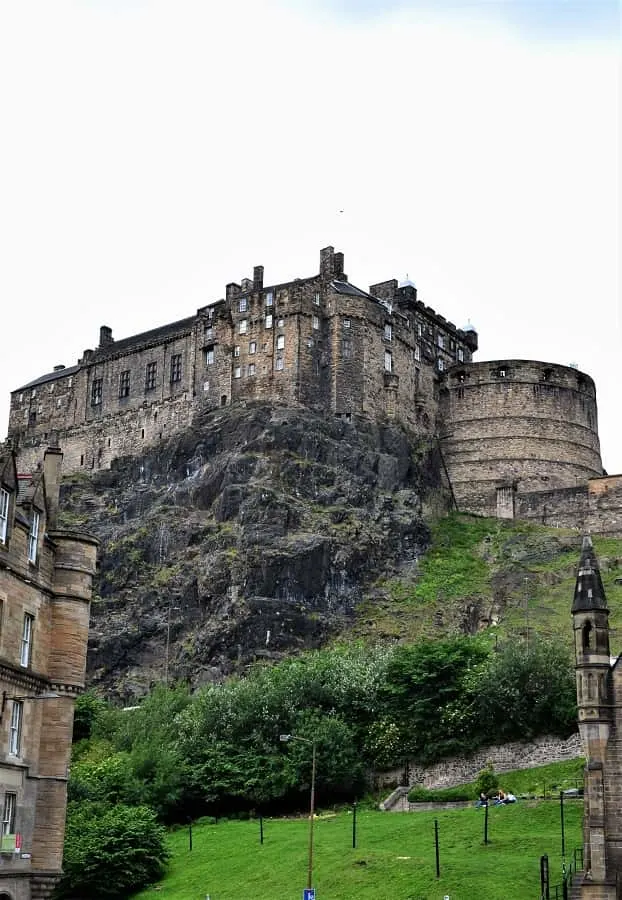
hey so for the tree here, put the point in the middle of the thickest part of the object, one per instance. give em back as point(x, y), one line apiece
point(110, 851)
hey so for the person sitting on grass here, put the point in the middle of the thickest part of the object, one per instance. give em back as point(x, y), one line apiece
point(500, 798)
point(483, 800)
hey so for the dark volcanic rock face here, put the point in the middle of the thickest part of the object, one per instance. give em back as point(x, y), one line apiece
point(253, 535)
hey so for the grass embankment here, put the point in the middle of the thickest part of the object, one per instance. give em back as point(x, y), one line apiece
point(516, 576)
point(394, 859)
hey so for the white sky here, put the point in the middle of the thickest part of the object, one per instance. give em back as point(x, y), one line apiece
point(153, 150)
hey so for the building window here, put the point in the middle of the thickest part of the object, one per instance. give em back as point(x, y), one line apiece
point(346, 323)
point(280, 322)
point(252, 347)
point(25, 656)
point(268, 321)
point(460, 354)
point(315, 322)
point(440, 364)
point(151, 374)
point(251, 369)
point(278, 365)
point(420, 329)
point(124, 384)
point(33, 536)
point(15, 730)
point(388, 332)
point(269, 298)
point(417, 353)
point(5, 498)
point(316, 298)
point(175, 367)
point(388, 361)
point(243, 326)
point(208, 333)
point(8, 816)
point(97, 390)
point(280, 342)
point(209, 356)
point(441, 341)
point(242, 304)
point(236, 350)
point(346, 346)
point(237, 372)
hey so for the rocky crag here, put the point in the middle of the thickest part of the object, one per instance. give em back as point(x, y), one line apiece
point(257, 533)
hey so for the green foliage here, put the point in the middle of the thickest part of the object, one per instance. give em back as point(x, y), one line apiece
point(453, 567)
point(487, 781)
point(528, 690)
point(439, 795)
point(110, 851)
point(87, 710)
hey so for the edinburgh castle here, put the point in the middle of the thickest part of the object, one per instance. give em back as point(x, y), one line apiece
point(518, 438)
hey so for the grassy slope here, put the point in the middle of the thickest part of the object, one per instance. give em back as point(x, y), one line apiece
point(394, 856)
point(515, 577)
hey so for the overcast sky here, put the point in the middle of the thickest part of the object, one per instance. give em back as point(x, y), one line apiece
point(153, 150)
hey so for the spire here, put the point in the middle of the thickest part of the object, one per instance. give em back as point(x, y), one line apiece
point(589, 592)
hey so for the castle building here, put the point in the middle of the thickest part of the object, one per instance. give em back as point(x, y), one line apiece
point(45, 589)
point(519, 438)
point(599, 699)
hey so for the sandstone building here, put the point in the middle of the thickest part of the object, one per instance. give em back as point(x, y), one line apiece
point(519, 438)
point(45, 590)
point(599, 698)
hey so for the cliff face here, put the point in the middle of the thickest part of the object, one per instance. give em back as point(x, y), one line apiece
point(254, 534)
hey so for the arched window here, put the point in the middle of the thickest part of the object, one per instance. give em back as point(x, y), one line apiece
point(586, 633)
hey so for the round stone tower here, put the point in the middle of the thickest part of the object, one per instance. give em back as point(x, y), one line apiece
point(517, 425)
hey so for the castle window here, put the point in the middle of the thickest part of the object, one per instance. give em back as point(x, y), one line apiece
point(242, 304)
point(33, 394)
point(5, 499)
point(388, 332)
point(243, 326)
point(347, 323)
point(151, 374)
point(25, 656)
point(280, 342)
point(268, 322)
point(278, 365)
point(21, 398)
point(124, 384)
point(206, 387)
point(388, 361)
point(175, 367)
point(440, 364)
point(209, 356)
point(315, 322)
point(32, 417)
point(441, 341)
point(419, 329)
point(97, 390)
point(586, 633)
point(280, 322)
point(316, 298)
point(460, 354)
point(59, 403)
point(269, 298)
point(15, 729)
point(236, 350)
point(237, 372)
point(33, 536)
point(251, 369)
point(252, 347)
point(346, 348)
point(208, 334)
point(8, 818)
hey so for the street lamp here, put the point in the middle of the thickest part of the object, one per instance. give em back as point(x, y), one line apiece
point(293, 737)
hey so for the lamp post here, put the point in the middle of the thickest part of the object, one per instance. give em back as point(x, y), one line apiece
point(293, 737)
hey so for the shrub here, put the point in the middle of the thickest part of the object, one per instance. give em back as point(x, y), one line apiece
point(487, 781)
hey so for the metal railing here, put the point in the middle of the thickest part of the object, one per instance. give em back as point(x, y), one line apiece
point(560, 891)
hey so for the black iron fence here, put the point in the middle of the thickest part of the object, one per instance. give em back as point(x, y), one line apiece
point(560, 891)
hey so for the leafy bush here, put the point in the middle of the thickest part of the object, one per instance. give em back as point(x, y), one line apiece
point(110, 851)
point(439, 795)
point(487, 781)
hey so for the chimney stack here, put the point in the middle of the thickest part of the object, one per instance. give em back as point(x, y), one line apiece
point(105, 336)
point(52, 462)
point(257, 278)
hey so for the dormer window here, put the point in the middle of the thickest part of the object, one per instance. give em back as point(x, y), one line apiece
point(33, 536)
point(5, 499)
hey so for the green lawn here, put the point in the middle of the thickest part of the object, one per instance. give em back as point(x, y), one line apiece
point(394, 859)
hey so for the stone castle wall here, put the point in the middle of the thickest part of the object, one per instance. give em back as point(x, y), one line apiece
point(528, 425)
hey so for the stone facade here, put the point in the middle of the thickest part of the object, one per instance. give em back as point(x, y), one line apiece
point(599, 698)
point(45, 589)
point(318, 341)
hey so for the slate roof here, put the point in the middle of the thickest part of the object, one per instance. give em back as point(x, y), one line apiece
point(589, 592)
point(51, 376)
point(154, 336)
point(344, 287)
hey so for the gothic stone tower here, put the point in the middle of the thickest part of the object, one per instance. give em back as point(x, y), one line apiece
point(599, 698)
